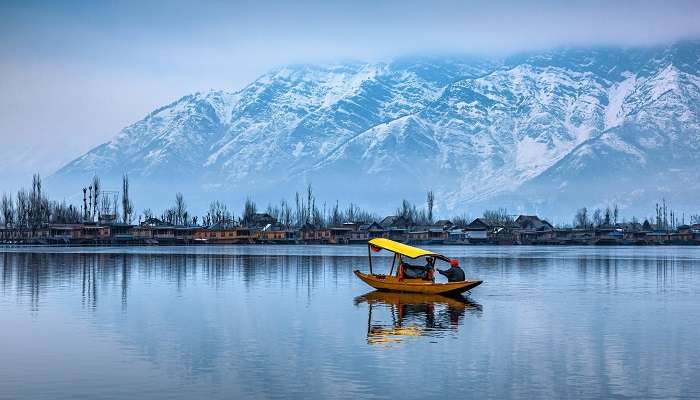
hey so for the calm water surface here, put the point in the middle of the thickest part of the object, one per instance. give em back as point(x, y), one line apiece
point(294, 322)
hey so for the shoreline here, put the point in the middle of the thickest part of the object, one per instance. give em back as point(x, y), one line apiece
point(482, 244)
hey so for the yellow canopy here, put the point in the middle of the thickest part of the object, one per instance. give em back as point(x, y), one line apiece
point(400, 248)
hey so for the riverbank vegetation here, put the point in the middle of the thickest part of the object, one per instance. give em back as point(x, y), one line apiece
point(31, 214)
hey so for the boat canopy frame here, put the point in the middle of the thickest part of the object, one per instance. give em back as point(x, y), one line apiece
point(399, 249)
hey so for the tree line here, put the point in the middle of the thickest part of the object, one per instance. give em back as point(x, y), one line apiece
point(30, 209)
point(665, 218)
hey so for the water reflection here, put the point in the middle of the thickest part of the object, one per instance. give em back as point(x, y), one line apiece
point(393, 317)
point(280, 322)
point(32, 275)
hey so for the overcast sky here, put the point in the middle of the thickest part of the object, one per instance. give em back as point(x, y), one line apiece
point(72, 74)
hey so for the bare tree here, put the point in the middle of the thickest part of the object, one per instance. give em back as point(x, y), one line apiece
point(22, 206)
point(299, 207)
point(336, 215)
point(581, 219)
point(658, 217)
point(407, 211)
point(219, 214)
point(127, 203)
point(96, 190)
point(7, 209)
point(597, 217)
point(85, 206)
point(35, 201)
point(316, 215)
point(431, 203)
point(105, 207)
point(169, 216)
point(38, 204)
point(355, 213)
point(147, 214)
point(115, 208)
point(422, 217)
point(309, 204)
point(180, 210)
point(286, 213)
point(273, 211)
point(498, 217)
point(249, 210)
point(461, 220)
point(90, 206)
point(62, 213)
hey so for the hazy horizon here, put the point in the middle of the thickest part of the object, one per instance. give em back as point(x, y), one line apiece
point(73, 74)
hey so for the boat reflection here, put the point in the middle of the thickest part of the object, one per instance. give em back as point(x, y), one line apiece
point(394, 317)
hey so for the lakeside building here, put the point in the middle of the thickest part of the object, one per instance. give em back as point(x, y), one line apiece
point(277, 234)
point(263, 228)
point(222, 234)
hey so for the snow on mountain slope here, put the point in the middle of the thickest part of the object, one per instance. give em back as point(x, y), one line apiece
point(487, 134)
point(475, 130)
point(169, 139)
point(653, 153)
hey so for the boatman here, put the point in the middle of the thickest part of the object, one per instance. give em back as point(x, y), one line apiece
point(454, 273)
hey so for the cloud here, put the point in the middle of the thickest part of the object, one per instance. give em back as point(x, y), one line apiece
point(73, 73)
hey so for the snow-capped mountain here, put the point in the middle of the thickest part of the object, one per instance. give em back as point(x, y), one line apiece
point(545, 132)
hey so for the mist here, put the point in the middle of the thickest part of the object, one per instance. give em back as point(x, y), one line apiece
point(72, 74)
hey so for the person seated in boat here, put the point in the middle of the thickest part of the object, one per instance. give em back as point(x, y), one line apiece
point(415, 271)
point(430, 269)
point(455, 273)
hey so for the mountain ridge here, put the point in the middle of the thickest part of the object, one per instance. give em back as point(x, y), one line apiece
point(478, 131)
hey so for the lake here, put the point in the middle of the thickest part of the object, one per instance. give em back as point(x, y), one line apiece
point(294, 322)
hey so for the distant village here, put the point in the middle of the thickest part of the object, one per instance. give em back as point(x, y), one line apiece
point(108, 218)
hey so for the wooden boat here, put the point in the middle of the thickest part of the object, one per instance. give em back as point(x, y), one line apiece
point(399, 282)
point(392, 283)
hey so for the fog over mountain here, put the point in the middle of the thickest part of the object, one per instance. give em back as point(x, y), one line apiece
point(544, 132)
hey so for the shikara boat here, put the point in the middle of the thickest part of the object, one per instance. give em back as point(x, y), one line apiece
point(399, 282)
